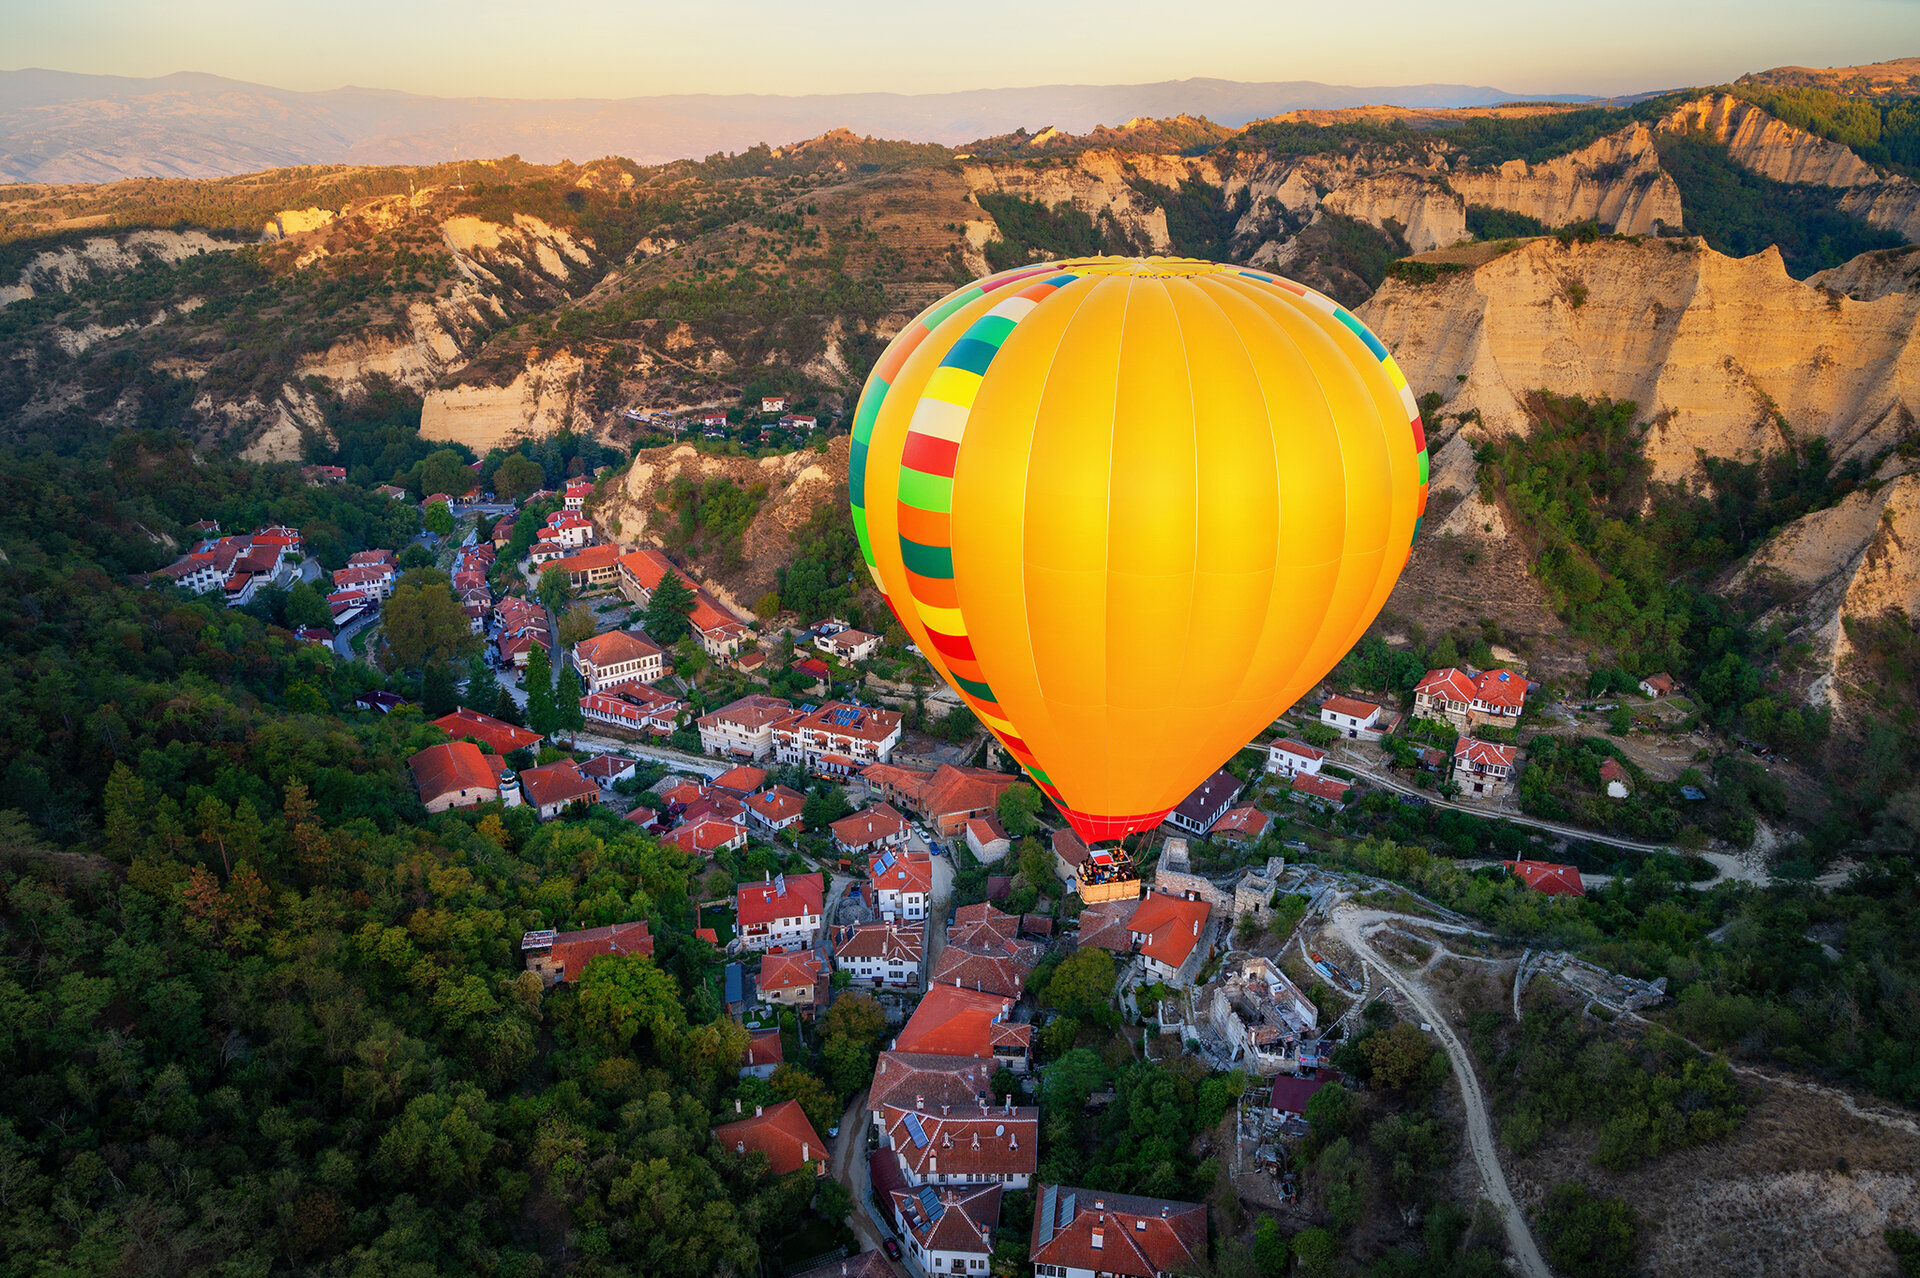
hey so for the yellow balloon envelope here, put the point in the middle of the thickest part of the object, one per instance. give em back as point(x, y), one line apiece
point(1131, 509)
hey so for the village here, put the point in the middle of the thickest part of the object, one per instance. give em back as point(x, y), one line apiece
point(845, 855)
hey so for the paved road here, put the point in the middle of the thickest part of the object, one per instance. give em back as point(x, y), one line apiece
point(1351, 923)
point(343, 639)
point(1728, 865)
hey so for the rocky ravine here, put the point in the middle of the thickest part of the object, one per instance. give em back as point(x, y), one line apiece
point(1727, 357)
point(797, 484)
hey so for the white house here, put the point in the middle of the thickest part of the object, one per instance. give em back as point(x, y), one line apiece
point(1483, 769)
point(838, 738)
point(965, 1144)
point(743, 729)
point(880, 953)
point(902, 884)
point(784, 910)
point(948, 1231)
point(1290, 758)
point(987, 840)
point(1354, 719)
point(617, 657)
point(848, 646)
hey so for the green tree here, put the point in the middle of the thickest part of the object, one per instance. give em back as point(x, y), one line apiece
point(555, 590)
point(1399, 1056)
point(444, 471)
point(1587, 1236)
point(668, 609)
point(1082, 986)
point(306, 606)
point(1019, 808)
point(1330, 1110)
point(542, 707)
point(483, 688)
point(1319, 735)
point(518, 475)
point(568, 716)
point(438, 519)
point(832, 1200)
point(424, 622)
point(1317, 1252)
point(622, 995)
point(825, 804)
point(791, 1082)
point(438, 695)
point(1270, 1250)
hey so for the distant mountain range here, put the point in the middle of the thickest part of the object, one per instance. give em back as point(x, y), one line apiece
point(58, 126)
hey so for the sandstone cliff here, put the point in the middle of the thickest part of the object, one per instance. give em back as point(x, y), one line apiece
point(1758, 142)
point(1723, 355)
point(63, 269)
point(1856, 559)
point(1616, 181)
point(1428, 213)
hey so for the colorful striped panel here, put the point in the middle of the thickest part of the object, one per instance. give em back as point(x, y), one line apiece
point(885, 372)
point(925, 489)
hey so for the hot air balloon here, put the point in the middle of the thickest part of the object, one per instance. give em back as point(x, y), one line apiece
point(1131, 509)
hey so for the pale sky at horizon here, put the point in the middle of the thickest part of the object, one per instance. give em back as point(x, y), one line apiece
point(603, 48)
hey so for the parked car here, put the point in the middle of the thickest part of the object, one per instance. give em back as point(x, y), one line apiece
point(892, 1248)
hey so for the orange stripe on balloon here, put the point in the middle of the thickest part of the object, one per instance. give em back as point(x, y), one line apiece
point(926, 527)
point(938, 592)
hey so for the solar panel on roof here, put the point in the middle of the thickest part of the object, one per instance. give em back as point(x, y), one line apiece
point(931, 1204)
point(915, 1130)
point(1046, 1214)
point(1066, 1210)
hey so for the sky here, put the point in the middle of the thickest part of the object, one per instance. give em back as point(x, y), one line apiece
point(633, 48)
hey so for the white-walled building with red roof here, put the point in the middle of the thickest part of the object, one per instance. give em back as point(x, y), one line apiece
point(1484, 769)
point(783, 910)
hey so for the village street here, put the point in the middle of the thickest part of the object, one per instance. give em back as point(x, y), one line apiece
point(847, 1163)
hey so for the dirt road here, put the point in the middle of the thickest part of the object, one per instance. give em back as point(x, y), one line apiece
point(847, 1163)
point(1351, 923)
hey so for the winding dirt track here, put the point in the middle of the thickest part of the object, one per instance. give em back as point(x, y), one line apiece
point(1351, 923)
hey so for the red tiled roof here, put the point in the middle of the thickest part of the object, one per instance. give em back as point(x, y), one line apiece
point(503, 737)
point(592, 558)
point(574, 950)
point(1247, 821)
point(765, 1048)
point(953, 791)
point(1291, 1092)
point(605, 765)
point(1661, 683)
point(909, 783)
point(970, 1141)
point(1447, 683)
point(751, 712)
point(813, 666)
point(909, 1078)
point(1353, 706)
point(742, 780)
point(879, 940)
point(761, 903)
point(986, 830)
point(776, 803)
point(1172, 926)
point(1548, 878)
point(705, 835)
point(1068, 847)
point(1501, 688)
point(869, 826)
point(1484, 754)
point(1139, 1237)
point(910, 872)
point(952, 1022)
point(1321, 787)
point(1108, 924)
point(614, 648)
point(557, 783)
point(1289, 746)
point(866, 722)
point(963, 1222)
point(781, 1132)
point(444, 769)
point(1612, 771)
point(788, 971)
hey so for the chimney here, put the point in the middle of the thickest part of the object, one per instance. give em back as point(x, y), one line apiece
point(736, 1104)
point(739, 1147)
point(1013, 1140)
point(1163, 1213)
point(758, 1111)
point(976, 1140)
point(943, 1110)
point(806, 1152)
point(919, 1102)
